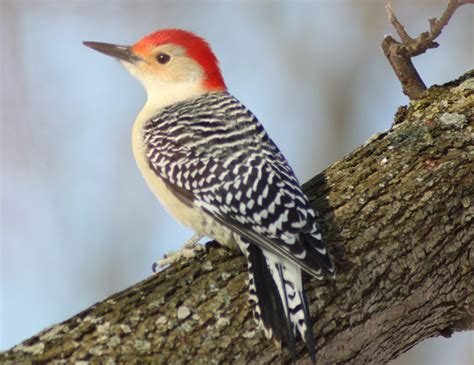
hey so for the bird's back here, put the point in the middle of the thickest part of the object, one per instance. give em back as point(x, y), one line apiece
point(212, 151)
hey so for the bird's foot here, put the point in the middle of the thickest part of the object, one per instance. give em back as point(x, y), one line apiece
point(208, 246)
point(190, 249)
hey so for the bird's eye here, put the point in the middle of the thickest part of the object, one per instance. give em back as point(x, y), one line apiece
point(163, 58)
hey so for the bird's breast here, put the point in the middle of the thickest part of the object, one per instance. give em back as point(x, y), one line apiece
point(187, 214)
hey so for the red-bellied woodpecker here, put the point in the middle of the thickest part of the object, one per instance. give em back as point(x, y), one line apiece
point(214, 168)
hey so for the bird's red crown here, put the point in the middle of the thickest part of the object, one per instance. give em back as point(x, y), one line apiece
point(196, 48)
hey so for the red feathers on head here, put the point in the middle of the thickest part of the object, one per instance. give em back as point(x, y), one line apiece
point(196, 48)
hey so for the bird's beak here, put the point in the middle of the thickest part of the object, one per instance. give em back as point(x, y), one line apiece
point(122, 53)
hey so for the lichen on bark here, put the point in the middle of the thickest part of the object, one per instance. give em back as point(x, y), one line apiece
point(397, 214)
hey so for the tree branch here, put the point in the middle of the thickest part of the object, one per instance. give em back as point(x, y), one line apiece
point(397, 215)
point(399, 54)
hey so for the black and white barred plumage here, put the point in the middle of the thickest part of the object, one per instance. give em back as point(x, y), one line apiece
point(213, 154)
point(214, 168)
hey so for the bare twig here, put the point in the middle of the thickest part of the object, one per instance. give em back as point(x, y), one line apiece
point(399, 54)
point(402, 33)
point(438, 25)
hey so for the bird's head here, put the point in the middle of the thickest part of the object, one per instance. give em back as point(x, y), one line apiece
point(172, 64)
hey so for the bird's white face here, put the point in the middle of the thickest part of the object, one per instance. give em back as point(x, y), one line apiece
point(165, 63)
point(167, 73)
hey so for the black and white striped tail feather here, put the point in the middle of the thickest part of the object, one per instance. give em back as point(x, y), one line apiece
point(278, 299)
point(269, 309)
point(288, 279)
point(316, 255)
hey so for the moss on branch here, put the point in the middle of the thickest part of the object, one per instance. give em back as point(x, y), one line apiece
point(397, 214)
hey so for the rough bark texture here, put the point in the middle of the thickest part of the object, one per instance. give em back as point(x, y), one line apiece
point(397, 214)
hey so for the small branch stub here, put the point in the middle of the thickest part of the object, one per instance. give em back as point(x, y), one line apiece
point(399, 54)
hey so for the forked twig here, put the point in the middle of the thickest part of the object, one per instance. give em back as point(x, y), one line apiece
point(399, 54)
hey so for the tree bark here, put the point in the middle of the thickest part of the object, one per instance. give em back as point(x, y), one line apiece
point(397, 215)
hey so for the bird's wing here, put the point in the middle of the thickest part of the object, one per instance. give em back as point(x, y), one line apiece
point(235, 173)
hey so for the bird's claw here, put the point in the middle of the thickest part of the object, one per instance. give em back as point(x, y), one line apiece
point(190, 249)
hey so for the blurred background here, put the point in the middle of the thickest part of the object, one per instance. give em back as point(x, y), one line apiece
point(78, 222)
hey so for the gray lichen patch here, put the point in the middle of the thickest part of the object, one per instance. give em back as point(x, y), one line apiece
point(136, 317)
point(156, 303)
point(213, 288)
point(466, 85)
point(103, 328)
point(54, 332)
point(249, 334)
point(96, 350)
point(466, 201)
point(113, 341)
point(161, 320)
point(187, 327)
point(222, 322)
point(453, 120)
point(36, 349)
point(142, 345)
point(125, 328)
point(183, 312)
point(225, 342)
point(92, 319)
point(207, 266)
point(225, 275)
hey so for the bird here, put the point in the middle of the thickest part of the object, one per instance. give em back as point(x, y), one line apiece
point(214, 168)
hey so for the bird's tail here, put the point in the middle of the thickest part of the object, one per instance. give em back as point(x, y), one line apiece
point(277, 295)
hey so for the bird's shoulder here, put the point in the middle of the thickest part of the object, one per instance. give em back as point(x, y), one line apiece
point(213, 124)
